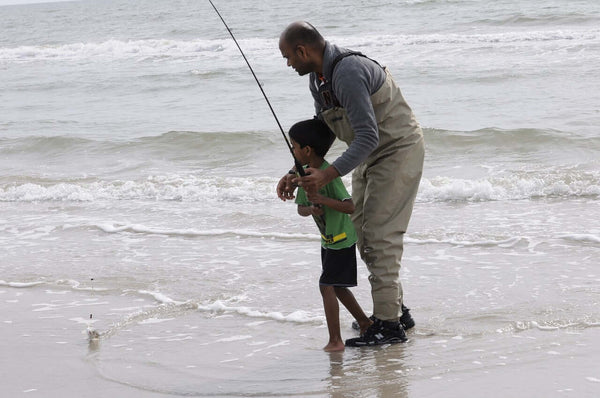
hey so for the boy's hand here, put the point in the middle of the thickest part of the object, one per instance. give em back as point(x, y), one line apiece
point(317, 210)
point(314, 197)
point(286, 187)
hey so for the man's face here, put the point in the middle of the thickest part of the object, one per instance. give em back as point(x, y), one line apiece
point(296, 57)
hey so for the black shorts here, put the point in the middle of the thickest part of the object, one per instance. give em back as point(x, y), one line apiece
point(339, 267)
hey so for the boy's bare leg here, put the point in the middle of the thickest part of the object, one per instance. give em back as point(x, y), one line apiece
point(332, 314)
point(348, 300)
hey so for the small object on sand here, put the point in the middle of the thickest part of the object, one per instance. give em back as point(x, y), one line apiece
point(91, 332)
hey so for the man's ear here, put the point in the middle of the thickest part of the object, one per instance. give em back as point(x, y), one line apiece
point(302, 51)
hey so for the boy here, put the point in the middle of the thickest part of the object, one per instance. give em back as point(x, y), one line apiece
point(330, 208)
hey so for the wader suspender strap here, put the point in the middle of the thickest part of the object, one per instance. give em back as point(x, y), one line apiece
point(344, 55)
point(325, 89)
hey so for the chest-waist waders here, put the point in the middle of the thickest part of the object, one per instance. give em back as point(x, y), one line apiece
point(384, 186)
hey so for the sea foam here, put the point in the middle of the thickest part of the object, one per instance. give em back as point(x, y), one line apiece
point(191, 188)
point(298, 316)
point(163, 49)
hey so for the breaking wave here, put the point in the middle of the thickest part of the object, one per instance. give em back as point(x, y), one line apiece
point(197, 188)
point(160, 49)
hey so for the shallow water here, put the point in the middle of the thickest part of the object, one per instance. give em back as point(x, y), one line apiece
point(223, 323)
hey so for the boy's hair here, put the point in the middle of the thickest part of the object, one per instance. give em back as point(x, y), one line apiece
point(314, 133)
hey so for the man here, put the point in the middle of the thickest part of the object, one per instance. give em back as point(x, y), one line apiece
point(360, 102)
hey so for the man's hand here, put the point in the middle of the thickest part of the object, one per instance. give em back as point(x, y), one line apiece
point(286, 187)
point(316, 179)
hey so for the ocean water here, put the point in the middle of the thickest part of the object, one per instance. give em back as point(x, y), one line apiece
point(138, 165)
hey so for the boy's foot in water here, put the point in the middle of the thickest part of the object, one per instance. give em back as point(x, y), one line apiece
point(334, 346)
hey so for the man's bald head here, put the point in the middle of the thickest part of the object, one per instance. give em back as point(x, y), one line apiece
point(303, 46)
point(302, 33)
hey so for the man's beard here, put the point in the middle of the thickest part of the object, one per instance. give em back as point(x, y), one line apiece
point(306, 68)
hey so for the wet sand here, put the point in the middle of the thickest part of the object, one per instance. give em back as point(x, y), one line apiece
point(171, 349)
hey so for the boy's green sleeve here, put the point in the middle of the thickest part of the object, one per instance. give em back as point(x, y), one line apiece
point(337, 190)
point(301, 198)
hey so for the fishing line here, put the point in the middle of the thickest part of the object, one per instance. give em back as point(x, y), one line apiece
point(299, 168)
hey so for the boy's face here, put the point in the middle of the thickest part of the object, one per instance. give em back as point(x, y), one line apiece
point(300, 153)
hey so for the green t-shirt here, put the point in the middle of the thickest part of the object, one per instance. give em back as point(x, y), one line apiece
point(337, 230)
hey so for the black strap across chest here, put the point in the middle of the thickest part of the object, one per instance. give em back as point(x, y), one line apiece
point(328, 98)
point(341, 56)
point(337, 59)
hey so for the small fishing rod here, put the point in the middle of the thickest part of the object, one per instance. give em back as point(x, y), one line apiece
point(299, 168)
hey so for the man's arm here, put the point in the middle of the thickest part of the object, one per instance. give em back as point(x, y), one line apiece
point(354, 81)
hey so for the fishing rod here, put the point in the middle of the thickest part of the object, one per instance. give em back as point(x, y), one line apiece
point(299, 168)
